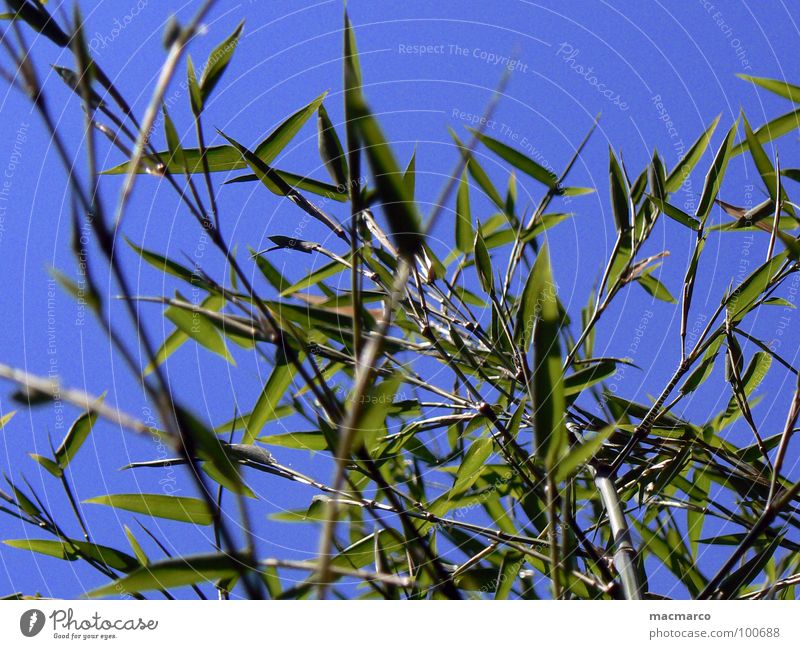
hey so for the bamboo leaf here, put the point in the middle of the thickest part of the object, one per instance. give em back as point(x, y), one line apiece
point(715, 175)
point(620, 196)
point(198, 327)
point(518, 160)
point(465, 237)
point(676, 214)
point(782, 88)
point(37, 17)
point(267, 404)
point(483, 263)
point(582, 379)
point(172, 573)
point(398, 206)
point(581, 454)
point(772, 130)
point(228, 158)
point(75, 438)
point(655, 288)
point(218, 62)
point(472, 466)
point(72, 550)
point(330, 148)
point(177, 508)
point(276, 184)
point(548, 381)
point(682, 170)
point(741, 300)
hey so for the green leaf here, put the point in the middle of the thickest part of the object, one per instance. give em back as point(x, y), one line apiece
point(300, 183)
point(276, 184)
point(620, 197)
point(51, 467)
point(676, 214)
point(410, 176)
point(682, 170)
point(582, 379)
point(472, 466)
point(314, 278)
point(177, 508)
point(548, 381)
point(465, 236)
point(518, 160)
point(75, 438)
point(172, 573)
point(398, 206)
point(178, 337)
point(715, 175)
point(137, 549)
point(479, 175)
point(483, 263)
point(268, 400)
point(765, 168)
point(581, 454)
point(277, 141)
point(330, 148)
point(198, 327)
point(772, 130)
point(218, 61)
point(704, 367)
point(742, 299)
point(508, 574)
point(655, 288)
point(781, 88)
point(228, 158)
point(370, 427)
point(165, 265)
point(695, 515)
point(195, 96)
point(37, 17)
point(306, 441)
point(749, 571)
point(173, 140)
point(72, 550)
point(361, 553)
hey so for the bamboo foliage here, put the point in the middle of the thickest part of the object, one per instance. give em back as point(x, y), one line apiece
point(514, 472)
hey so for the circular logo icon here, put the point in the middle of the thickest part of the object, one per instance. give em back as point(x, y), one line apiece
point(31, 622)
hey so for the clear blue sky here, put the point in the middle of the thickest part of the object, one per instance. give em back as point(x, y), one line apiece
point(658, 72)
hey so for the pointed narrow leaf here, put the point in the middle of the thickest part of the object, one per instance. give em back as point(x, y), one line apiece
point(270, 396)
point(177, 508)
point(682, 170)
point(276, 184)
point(472, 466)
point(620, 196)
point(465, 237)
point(398, 207)
point(548, 384)
point(330, 148)
point(218, 61)
point(483, 263)
point(173, 573)
point(772, 130)
point(74, 439)
point(518, 160)
point(715, 175)
point(72, 550)
point(787, 90)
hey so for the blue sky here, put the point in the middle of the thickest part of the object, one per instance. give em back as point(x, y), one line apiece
point(658, 73)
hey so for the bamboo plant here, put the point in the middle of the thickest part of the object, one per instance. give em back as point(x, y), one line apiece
point(472, 448)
